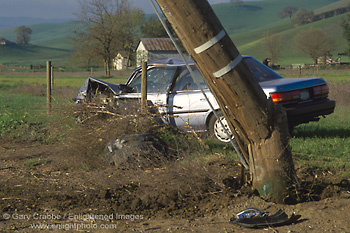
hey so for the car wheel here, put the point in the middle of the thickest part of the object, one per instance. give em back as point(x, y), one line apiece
point(291, 128)
point(217, 131)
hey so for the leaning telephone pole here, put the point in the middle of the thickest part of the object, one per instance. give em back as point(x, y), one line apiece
point(260, 124)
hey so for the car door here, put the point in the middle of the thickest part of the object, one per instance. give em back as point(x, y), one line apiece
point(187, 105)
point(158, 82)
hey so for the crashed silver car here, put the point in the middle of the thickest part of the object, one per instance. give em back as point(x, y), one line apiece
point(171, 87)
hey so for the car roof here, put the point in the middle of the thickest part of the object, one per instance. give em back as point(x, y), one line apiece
point(175, 61)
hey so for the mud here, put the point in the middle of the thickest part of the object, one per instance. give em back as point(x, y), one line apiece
point(179, 196)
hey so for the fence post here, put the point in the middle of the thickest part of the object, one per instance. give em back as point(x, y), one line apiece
point(48, 87)
point(144, 86)
point(52, 77)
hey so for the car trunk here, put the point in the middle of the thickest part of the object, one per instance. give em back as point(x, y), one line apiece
point(296, 90)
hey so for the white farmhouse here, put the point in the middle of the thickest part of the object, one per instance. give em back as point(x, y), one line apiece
point(120, 61)
point(153, 49)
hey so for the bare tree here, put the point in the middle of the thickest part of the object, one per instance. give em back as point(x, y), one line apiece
point(287, 11)
point(152, 28)
point(273, 45)
point(345, 24)
point(23, 34)
point(303, 16)
point(82, 55)
point(130, 35)
point(108, 26)
point(314, 42)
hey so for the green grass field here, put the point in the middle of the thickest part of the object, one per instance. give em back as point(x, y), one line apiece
point(72, 81)
point(23, 98)
point(324, 144)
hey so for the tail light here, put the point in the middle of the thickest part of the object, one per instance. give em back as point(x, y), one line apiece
point(321, 90)
point(285, 96)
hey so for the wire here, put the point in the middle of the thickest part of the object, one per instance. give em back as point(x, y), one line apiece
point(195, 79)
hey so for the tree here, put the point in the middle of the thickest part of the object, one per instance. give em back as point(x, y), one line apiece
point(130, 35)
point(23, 34)
point(273, 44)
point(345, 24)
point(303, 16)
point(153, 28)
point(83, 56)
point(288, 11)
point(108, 26)
point(261, 125)
point(236, 3)
point(314, 42)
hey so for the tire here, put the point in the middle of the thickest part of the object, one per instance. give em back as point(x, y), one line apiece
point(216, 131)
point(291, 128)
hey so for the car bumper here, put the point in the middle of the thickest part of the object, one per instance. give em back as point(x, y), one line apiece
point(309, 112)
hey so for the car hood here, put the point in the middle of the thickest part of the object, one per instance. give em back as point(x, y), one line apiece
point(289, 84)
point(89, 82)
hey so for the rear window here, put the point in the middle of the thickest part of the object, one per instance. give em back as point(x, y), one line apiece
point(261, 72)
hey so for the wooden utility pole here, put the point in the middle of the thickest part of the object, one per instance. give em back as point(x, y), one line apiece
point(260, 124)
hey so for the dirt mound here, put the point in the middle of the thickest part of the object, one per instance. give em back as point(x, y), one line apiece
point(137, 150)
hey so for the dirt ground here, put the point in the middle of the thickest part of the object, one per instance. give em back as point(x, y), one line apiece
point(40, 192)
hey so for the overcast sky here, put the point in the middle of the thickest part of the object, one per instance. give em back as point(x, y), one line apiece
point(58, 9)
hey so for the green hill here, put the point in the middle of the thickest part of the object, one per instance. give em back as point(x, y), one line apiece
point(49, 41)
point(333, 6)
point(255, 15)
point(31, 55)
point(53, 35)
point(289, 55)
point(254, 18)
point(245, 24)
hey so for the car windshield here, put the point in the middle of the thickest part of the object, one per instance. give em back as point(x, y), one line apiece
point(261, 72)
point(158, 79)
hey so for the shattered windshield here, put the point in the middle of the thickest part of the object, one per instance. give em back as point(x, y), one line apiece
point(158, 79)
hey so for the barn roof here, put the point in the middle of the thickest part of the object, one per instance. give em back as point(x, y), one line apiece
point(158, 44)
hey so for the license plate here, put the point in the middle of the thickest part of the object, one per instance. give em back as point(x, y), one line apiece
point(304, 95)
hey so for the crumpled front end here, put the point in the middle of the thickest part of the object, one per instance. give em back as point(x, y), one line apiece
point(93, 87)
